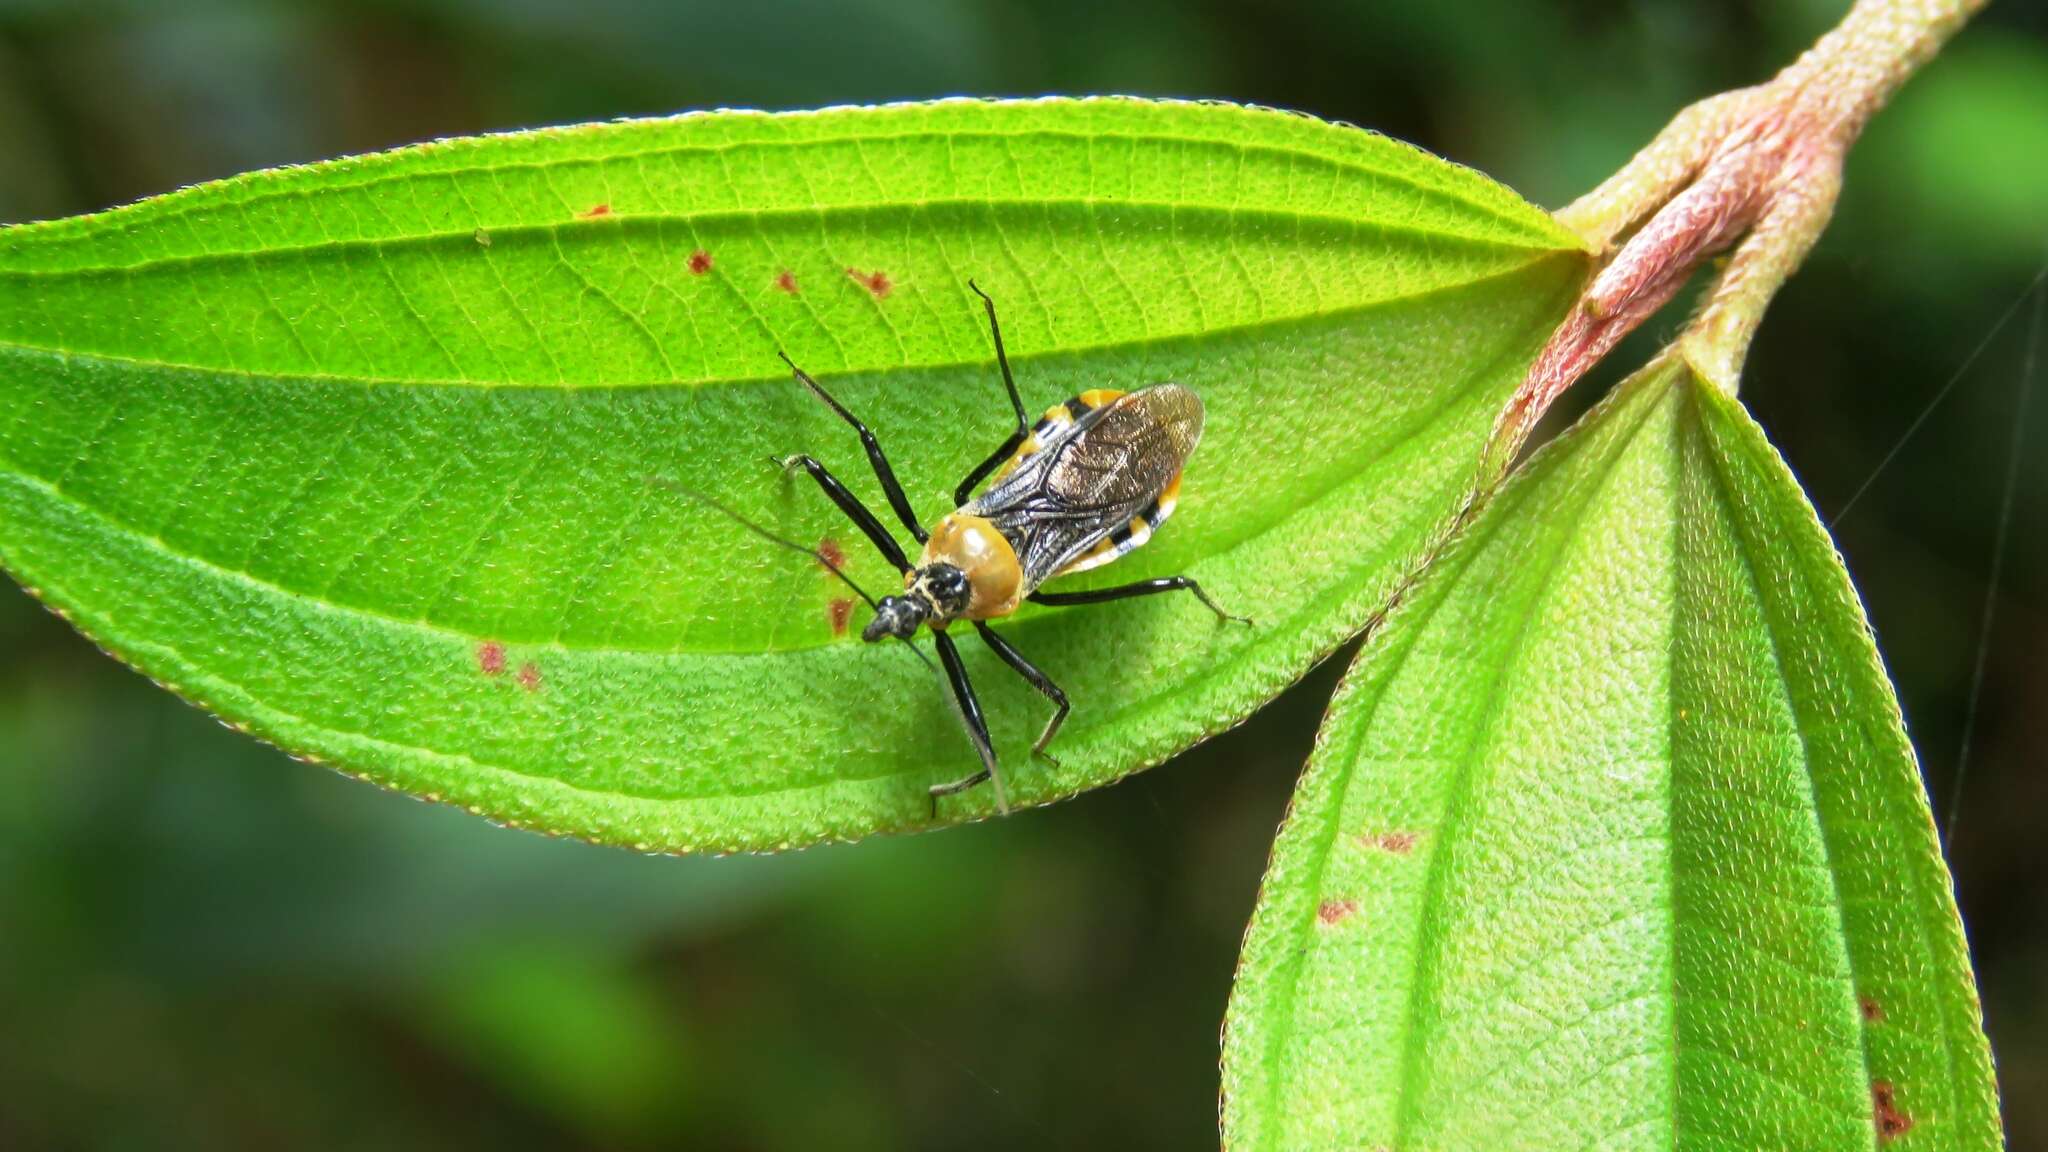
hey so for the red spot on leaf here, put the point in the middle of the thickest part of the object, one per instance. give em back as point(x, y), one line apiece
point(1873, 1012)
point(786, 281)
point(876, 282)
point(1331, 911)
point(1891, 1123)
point(490, 658)
point(1399, 843)
point(529, 676)
point(700, 262)
point(840, 611)
point(830, 554)
point(597, 210)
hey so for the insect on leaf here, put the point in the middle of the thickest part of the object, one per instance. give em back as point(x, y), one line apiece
point(1614, 839)
point(358, 455)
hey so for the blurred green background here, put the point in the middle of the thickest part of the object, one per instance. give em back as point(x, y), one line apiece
point(206, 946)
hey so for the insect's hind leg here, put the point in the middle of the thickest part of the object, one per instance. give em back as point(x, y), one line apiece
point(1016, 438)
point(977, 728)
point(876, 457)
point(1037, 679)
point(1130, 591)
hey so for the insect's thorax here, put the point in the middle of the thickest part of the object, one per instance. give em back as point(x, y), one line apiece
point(974, 546)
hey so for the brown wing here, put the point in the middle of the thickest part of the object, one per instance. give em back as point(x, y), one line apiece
point(1098, 473)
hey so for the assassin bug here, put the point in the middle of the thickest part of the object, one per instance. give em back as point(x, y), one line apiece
point(1090, 481)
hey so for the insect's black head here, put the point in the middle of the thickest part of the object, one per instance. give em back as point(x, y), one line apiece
point(937, 594)
point(947, 588)
point(897, 616)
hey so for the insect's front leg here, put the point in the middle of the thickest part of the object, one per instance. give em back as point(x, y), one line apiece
point(1037, 679)
point(877, 459)
point(851, 506)
point(977, 728)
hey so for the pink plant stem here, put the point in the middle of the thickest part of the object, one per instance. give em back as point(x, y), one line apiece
point(1759, 168)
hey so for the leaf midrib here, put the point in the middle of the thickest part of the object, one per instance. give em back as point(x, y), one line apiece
point(1068, 351)
point(156, 542)
point(1422, 990)
point(1286, 983)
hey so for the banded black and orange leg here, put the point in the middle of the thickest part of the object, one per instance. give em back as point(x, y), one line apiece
point(883, 473)
point(1016, 438)
point(977, 728)
point(1129, 591)
point(851, 506)
point(1036, 678)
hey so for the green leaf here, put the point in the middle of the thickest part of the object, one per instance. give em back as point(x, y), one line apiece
point(1615, 839)
point(357, 455)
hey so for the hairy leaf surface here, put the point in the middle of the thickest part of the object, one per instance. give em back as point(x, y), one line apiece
point(1614, 839)
point(358, 455)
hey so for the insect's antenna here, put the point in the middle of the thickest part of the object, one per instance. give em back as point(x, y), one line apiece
point(765, 534)
point(785, 542)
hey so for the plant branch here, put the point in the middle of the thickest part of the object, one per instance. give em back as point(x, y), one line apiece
point(1758, 168)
